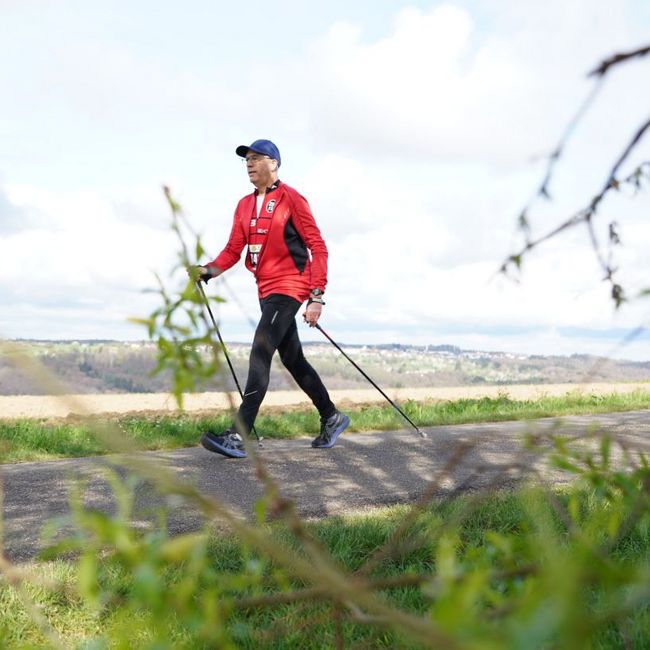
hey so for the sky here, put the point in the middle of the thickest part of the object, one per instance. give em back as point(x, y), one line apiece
point(416, 130)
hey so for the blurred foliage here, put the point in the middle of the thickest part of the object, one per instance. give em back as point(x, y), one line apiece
point(530, 568)
point(179, 327)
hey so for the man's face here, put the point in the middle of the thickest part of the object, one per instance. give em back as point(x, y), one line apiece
point(260, 169)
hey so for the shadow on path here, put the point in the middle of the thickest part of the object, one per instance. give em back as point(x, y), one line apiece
point(361, 471)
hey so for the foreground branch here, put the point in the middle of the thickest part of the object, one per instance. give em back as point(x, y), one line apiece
point(616, 59)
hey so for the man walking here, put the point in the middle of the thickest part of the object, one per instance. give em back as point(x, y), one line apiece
point(288, 257)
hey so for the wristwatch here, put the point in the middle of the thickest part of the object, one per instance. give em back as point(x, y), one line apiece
point(316, 292)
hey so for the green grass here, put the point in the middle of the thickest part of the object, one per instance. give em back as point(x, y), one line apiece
point(34, 440)
point(350, 540)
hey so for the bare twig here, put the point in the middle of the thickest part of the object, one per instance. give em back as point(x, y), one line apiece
point(616, 59)
point(543, 190)
point(553, 158)
point(585, 215)
point(612, 182)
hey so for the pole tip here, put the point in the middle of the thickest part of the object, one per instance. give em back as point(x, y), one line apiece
point(422, 434)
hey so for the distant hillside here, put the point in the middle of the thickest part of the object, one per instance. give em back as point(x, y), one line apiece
point(125, 367)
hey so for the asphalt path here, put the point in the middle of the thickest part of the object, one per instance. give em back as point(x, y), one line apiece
point(362, 471)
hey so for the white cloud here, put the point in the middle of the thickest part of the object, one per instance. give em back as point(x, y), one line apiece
point(436, 86)
point(425, 90)
point(80, 257)
point(110, 84)
point(11, 217)
point(411, 147)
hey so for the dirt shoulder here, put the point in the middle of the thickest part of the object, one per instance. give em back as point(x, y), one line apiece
point(39, 406)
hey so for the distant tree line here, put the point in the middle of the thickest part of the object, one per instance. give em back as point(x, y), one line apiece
point(114, 367)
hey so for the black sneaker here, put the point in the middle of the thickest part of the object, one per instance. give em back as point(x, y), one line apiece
point(330, 430)
point(228, 444)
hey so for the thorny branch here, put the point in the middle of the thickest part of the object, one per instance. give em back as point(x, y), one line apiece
point(585, 215)
point(615, 59)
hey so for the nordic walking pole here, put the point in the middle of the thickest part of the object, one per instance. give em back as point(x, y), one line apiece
point(390, 401)
point(223, 347)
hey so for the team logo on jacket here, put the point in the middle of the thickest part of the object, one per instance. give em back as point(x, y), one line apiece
point(270, 205)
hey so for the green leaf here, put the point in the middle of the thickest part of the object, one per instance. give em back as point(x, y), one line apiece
point(180, 548)
point(564, 463)
point(198, 250)
point(87, 582)
point(605, 446)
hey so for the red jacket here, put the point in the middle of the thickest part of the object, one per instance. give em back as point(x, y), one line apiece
point(280, 242)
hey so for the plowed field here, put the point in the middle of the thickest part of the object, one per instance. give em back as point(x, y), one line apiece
point(35, 406)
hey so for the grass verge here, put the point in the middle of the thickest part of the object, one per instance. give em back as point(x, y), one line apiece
point(35, 440)
point(488, 530)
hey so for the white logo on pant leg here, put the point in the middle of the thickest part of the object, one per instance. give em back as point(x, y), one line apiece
point(270, 205)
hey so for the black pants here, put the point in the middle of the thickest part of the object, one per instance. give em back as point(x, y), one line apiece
point(277, 330)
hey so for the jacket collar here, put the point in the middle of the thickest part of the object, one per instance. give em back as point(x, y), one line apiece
point(269, 189)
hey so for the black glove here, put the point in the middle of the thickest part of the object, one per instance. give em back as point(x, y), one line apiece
point(194, 273)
